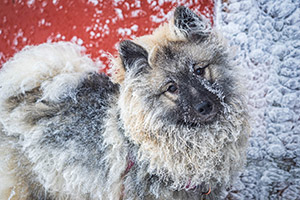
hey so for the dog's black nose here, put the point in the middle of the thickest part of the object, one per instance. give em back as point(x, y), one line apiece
point(204, 108)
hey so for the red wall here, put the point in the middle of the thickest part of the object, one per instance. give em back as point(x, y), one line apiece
point(96, 24)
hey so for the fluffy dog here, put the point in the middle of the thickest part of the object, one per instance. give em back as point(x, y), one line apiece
point(170, 123)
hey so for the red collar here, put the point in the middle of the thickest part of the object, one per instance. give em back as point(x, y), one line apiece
point(130, 164)
point(193, 187)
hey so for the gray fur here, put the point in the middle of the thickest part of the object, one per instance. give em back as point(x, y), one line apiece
point(79, 143)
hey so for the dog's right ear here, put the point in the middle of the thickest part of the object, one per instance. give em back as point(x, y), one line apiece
point(133, 56)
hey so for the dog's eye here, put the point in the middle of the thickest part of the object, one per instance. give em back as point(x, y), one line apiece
point(172, 88)
point(200, 70)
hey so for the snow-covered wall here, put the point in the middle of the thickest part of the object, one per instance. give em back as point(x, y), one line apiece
point(267, 33)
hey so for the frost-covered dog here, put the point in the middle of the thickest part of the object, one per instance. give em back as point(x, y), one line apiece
point(169, 124)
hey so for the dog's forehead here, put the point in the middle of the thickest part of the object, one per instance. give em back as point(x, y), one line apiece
point(176, 56)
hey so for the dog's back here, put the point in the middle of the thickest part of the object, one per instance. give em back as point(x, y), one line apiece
point(56, 114)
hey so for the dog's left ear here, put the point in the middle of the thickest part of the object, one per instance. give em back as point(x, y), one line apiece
point(191, 25)
point(133, 56)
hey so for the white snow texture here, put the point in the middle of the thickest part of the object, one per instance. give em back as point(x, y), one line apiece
point(267, 33)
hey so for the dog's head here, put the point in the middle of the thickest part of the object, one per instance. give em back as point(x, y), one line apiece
point(180, 101)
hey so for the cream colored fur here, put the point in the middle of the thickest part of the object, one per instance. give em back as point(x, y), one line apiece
point(34, 67)
point(8, 180)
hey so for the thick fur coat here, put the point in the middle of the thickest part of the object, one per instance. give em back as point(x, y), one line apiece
point(170, 122)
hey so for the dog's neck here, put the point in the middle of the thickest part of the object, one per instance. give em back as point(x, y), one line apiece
point(134, 166)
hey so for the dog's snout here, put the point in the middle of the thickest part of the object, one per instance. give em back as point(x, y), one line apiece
point(204, 108)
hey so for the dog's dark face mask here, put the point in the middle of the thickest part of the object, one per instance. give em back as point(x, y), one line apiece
point(183, 75)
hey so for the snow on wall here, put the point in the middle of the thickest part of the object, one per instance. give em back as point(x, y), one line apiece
point(267, 34)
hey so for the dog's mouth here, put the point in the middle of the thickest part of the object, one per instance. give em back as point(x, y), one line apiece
point(209, 118)
point(199, 121)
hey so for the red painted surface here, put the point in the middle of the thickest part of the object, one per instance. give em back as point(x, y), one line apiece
point(96, 24)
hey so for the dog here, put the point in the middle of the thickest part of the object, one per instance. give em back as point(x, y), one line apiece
point(169, 123)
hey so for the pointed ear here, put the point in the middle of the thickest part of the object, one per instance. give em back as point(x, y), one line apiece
point(191, 25)
point(133, 55)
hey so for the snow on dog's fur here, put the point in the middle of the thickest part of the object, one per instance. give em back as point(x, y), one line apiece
point(170, 124)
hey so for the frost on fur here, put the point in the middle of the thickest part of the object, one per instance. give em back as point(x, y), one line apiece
point(169, 124)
